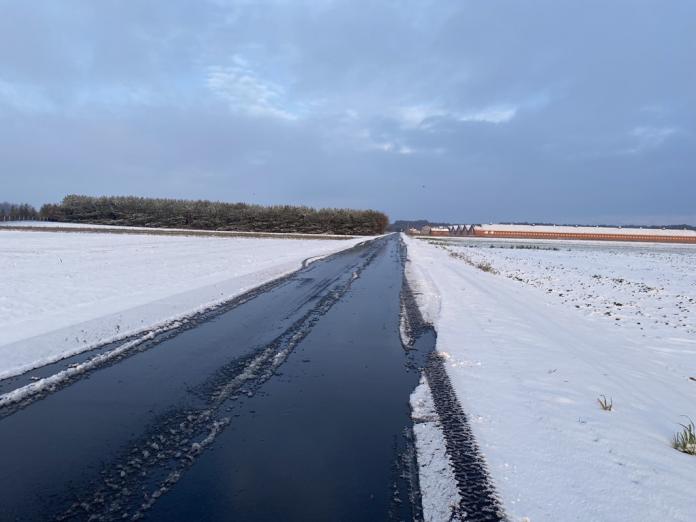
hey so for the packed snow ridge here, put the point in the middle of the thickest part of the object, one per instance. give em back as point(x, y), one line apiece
point(64, 293)
point(533, 335)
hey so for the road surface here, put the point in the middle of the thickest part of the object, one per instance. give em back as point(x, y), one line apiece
point(288, 404)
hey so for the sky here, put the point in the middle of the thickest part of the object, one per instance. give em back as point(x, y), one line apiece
point(460, 111)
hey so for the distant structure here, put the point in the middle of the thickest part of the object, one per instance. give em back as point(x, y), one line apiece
point(460, 230)
point(439, 231)
point(449, 230)
point(499, 231)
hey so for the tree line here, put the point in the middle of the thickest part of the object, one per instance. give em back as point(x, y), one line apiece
point(16, 212)
point(213, 215)
point(402, 225)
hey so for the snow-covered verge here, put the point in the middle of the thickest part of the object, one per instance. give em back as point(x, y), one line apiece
point(63, 293)
point(528, 367)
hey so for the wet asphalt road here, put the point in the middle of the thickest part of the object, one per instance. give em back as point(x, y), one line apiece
point(289, 405)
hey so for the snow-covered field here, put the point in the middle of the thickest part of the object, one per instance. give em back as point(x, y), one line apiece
point(535, 340)
point(62, 293)
point(87, 227)
point(630, 284)
point(50, 224)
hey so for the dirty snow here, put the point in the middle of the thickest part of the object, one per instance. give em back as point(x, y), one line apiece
point(535, 342)
point(63, 293)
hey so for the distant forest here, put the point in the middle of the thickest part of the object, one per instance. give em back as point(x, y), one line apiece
point(213, 215)
point(210, 215)
point(404, 225)
point(14, 212)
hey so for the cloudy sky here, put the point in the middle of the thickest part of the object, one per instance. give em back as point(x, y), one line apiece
point(462, 110)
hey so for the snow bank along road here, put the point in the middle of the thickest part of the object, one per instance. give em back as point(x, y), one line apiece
point(531, 336)
point(62, 293)
point(290, 402)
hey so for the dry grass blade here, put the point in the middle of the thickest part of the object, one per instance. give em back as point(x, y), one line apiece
point(606, 405)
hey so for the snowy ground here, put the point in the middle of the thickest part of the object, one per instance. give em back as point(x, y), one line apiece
point(88, 227)
point(62, 293)
point(50, 224)
point(532, 343)
point(632, 285)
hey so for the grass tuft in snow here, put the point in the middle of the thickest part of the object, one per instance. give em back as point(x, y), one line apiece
point(685, 440)
point(605, 404)
point(486, 267)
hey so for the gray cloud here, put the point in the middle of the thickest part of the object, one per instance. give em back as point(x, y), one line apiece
point(452, 110)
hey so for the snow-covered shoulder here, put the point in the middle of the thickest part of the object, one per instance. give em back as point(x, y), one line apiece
point(528, 367)
point(425, 290)
point(64, 293)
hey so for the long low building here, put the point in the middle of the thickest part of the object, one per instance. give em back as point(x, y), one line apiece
point(501, 231)
point(585, 233)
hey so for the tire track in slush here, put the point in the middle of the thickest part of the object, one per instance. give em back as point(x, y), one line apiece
point(106, 443)
point(156, 462)
point(329, 437)
point(22, 390)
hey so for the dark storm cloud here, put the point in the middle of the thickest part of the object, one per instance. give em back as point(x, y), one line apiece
point(461, 111)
